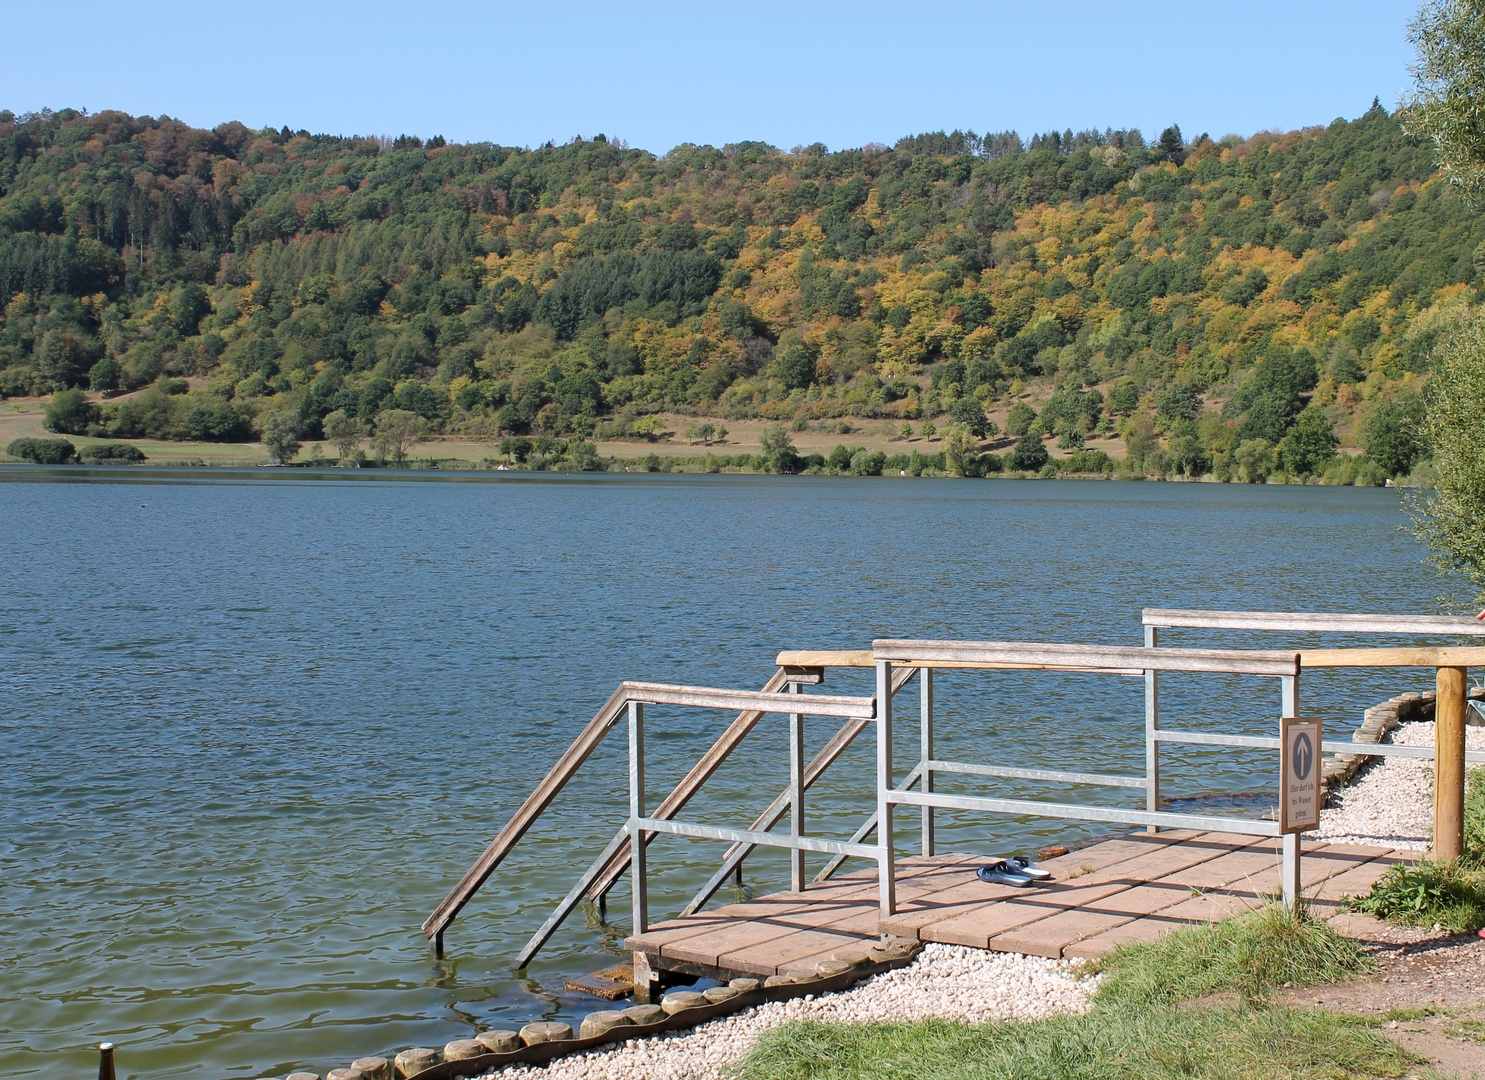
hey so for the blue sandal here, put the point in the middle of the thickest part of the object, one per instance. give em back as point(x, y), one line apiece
point(1004, 873)
point(1025, 866)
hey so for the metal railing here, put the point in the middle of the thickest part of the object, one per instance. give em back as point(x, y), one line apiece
point(896, 662)
point(1451, 663)
point(1029, 656)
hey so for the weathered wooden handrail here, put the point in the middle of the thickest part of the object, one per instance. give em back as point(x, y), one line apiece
point(709, 697)
point(1093, 657)
point(1422, 656)
point(1457, 656)
point(1314, 622)
point(862, 658)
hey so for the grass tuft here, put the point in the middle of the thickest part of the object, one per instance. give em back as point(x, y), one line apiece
point(1251, 955)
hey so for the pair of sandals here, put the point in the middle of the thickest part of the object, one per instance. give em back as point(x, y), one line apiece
point(1018, 872)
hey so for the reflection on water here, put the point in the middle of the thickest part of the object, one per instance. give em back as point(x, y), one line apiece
point(256, 727)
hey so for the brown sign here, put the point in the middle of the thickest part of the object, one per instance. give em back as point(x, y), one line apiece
point(1300, 790)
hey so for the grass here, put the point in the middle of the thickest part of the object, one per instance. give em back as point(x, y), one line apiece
point(1202, 1044)
point(1405, 1013)
point(1251, 955)
point(1138, 1028)
point(1469, 1030)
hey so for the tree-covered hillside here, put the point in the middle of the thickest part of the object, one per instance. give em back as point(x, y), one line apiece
point(1216, 303)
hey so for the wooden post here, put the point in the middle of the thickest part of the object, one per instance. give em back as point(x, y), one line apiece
point(1448, 764)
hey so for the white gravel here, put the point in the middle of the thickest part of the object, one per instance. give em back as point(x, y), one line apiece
point(944, 981)
point(1392, 801)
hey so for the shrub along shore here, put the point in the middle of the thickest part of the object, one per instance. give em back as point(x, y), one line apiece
point(1027, 459)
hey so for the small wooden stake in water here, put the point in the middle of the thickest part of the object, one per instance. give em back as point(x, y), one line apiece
point(105, 1061)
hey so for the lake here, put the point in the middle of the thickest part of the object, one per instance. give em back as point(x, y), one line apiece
point(257, 725)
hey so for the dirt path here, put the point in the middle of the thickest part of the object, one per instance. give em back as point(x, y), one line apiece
point(1428, 992)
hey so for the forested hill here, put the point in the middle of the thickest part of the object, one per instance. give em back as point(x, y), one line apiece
point(506, 290)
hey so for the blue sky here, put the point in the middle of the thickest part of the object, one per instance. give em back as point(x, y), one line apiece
point(659, 74)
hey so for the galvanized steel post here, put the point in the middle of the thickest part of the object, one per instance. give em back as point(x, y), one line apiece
point(796, 795)
point(638, 872)
point(925, 750)
point(1289, 869)
point(1152, 724)
point(886, 857)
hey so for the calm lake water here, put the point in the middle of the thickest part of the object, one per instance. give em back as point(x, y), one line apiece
point(256, 726)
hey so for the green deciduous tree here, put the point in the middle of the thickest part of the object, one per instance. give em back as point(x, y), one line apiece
point(1393, 433)
point(1019, 420)
point(42, 451)
point(1310, 444)
point(778, 450)
point(968, 412)
point(345, 431)
point(70, 412)
point(1178, 401)
point(1448, 108)
point(960, 447)
point(1255, 460)
point(1448, 102)
point(397, 432)
point(1029, 454)
point(281, 431)
point(1452, 521)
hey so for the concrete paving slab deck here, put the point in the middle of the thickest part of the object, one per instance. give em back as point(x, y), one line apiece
point(1353, 875)
point(1162, 851)
point(1141, 886)
point(910, 918)
point(1048, 937)
point(713, 932)
point(782, 953)
point(710, 948)
point(1051, 936)
point(1131, 846)
point(978, 926)
point(1212, 906)
point(1167, 861)
point(1235, 866)
point(1147, 929)
point(1316, 866)
point(744, 933)
point(914, 875)
point(780, 906)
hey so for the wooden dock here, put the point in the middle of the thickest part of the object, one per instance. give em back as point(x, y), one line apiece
point(1128, 889)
